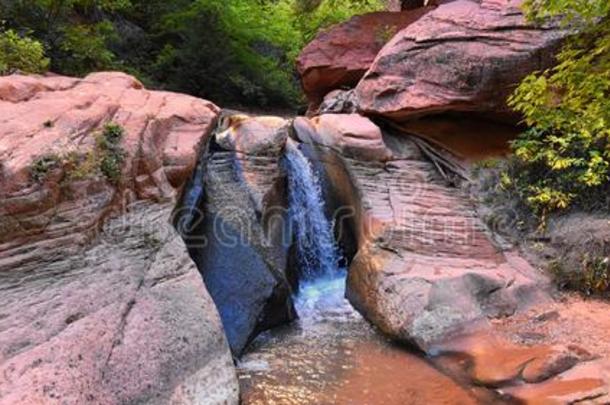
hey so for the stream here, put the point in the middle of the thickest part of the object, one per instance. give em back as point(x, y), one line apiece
point(331, 355)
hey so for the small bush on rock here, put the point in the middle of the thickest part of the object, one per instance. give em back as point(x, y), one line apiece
point(111, 154)
point(42, 165)
point(593, 277)
point(105, 159)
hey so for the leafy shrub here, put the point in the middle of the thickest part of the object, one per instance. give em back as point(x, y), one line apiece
point(243, 51)
point(593, 277)
point(42, 166)
point(21, 53)
point(238, 51)
point(105, 159)
point(564, 158)
point(111, 154)
point(84, 48)
point(76, 34)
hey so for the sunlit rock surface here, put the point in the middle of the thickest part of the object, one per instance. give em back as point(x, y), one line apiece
point(124, 320)
point(59, 118)
point(100, 300)
point(462, 56)
point(350, 134)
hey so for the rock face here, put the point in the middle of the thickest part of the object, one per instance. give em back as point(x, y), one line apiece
point(50, 186)
point(340, 56)
point(101, 302)
point(126, 320)
point(350, 134)
point(425, 271)
point(424, 266)
point(462, 56)
point(240, 242)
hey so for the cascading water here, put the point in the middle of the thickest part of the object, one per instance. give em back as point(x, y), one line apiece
point(317, 251)
point(322, 286)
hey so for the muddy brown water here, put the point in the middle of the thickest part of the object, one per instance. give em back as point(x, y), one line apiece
point(333, 356)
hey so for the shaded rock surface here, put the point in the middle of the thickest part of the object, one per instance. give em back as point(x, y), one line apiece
point(339, 56)
point(469, 139)
point(240, 241)
point(461, 56)
point(101, 302)
point(425, 263)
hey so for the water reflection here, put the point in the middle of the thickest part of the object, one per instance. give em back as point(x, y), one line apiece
point(332, 356)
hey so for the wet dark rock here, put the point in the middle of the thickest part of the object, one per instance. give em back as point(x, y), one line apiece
point(241, 242)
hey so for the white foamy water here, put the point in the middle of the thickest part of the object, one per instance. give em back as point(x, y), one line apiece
point(317, 252)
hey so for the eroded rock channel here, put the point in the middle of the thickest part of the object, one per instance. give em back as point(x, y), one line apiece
point(306, 230)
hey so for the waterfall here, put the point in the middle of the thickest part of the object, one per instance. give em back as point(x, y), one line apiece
point(317, 251)
point(321, 290)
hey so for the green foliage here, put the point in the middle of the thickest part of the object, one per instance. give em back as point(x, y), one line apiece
point(106, 158)
point(592, 278)
point(21, 53)
point(242, 51)
point(111, 154)
point(569, 10)
point(42, 166)
point(85, 48)
point(75, 33)
point(237, 51)
point(565, 155)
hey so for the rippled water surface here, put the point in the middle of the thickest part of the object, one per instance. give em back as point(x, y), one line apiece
point(332, 356)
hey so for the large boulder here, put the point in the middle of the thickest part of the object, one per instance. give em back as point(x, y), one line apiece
point(462, 56)
point(51, 184)
point(125, 319)
point(239, 240)
point(424, 266)
point(101, 302)
point(339, 56)
point(426, 271)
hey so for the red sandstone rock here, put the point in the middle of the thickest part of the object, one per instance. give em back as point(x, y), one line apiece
point(350, 134)
point(339, 57)
point(58, 118)
point(462, 56)
point(98, 310)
